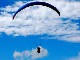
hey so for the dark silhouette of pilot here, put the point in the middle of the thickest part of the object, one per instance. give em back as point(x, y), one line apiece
point(38, 49)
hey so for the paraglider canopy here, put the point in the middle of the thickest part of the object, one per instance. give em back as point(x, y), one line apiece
point(37, 3)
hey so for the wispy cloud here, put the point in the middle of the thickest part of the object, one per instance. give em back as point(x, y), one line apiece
point(30, 54)
point(43, 20)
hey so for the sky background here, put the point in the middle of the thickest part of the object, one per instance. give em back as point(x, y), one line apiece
point(59, 36)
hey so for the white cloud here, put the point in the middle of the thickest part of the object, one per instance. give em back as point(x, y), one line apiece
point(41, 20)
point(30, 55)
point(13, 7)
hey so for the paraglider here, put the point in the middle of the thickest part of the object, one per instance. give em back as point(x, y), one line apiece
point(38, 50)
point(37, 3)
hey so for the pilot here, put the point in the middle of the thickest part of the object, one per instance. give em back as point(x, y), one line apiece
point(38, 49)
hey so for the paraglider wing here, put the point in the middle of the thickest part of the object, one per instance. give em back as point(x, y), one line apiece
point(36, 3)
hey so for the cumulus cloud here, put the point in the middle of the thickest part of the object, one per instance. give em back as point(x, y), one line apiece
point(37, 20)
point(30, 55)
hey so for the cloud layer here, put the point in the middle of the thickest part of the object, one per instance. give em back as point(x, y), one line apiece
point(42, 20)
point(30, 55)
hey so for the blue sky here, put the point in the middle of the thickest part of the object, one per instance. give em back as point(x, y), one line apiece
point(59, 38)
